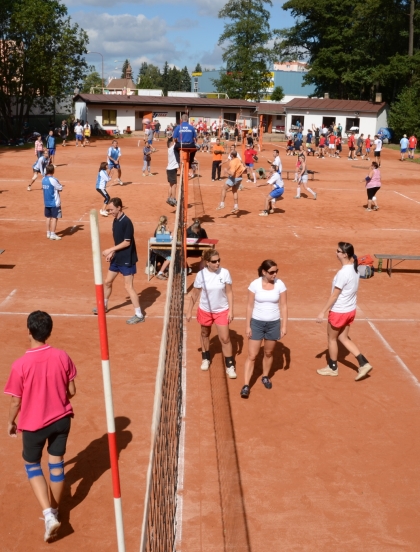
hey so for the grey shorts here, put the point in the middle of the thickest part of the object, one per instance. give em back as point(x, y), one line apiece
point(265, 330)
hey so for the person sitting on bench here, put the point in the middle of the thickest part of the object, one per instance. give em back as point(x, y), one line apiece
point(185, 136)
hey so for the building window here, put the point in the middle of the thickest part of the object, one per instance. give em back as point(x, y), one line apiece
point(352, 123)
point(109, 117)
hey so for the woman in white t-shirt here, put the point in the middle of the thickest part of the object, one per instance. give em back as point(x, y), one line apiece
point(342, 312)
point(267, 306)
point(213, 285)
point(171, 172)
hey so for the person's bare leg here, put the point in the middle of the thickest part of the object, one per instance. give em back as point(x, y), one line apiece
point(332, 342)
point(205, 338)
point(268, 356)
point(347, 342)
point(223, 194)
point(110, 277)
point(128, 283)
point(253, 350)
point(56, 487)
point(224, 336)
point(40, 489)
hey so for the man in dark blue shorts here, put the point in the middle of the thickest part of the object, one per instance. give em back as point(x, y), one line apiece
point(185, 136)
point(122, 258)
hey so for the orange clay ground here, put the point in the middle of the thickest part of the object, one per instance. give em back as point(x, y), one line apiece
point(315, 464)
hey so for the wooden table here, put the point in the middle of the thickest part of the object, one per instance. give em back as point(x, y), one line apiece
point(390, 258)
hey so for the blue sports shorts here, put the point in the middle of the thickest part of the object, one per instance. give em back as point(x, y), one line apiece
point(123, 269)
point(51, 151)
point(277, 192)
point(113, 166)
point(235, 182)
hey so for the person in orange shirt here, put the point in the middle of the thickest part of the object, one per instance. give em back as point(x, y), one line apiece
point(412, 144)
point(234, 172)
point(351, 142)
point(216, 168)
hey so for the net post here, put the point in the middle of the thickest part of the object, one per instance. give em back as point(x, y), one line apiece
point(106, 376)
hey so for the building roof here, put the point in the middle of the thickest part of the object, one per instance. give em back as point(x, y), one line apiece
point(114, 99)
point(355, 106)
point(270, 108)
point(121, 83)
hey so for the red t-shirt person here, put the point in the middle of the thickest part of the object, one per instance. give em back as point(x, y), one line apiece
point(249, 156)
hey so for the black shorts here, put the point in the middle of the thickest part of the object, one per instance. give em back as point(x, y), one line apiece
point(371, 192)
point(171, 175)
point(56, 434)
point(265, 330)
point(377, 153)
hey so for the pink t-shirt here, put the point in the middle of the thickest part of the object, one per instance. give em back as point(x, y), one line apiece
point(40, 378)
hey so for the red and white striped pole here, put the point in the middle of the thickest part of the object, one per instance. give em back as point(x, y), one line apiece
point(106, 376)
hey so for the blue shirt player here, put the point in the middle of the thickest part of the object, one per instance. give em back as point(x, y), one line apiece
point(114, 155)
point(50, 145)
point(185, 136)
point(39, 167)
point(52, 203)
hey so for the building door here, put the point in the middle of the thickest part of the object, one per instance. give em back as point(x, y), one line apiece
point(138, 125)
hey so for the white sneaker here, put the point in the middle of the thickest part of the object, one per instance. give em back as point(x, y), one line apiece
point(231, 372)
point(205, 364)
point(120, 182)
point(29, 188)
point(48, 235)
point(54, 237)
point(51, 527)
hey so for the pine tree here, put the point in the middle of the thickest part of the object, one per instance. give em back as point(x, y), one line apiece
point(198, 68)
point(278, 94)
point(165, 79)
point(124, 68)
point(185, 80)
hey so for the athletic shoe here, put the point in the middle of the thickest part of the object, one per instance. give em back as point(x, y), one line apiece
point(95, 310)
point(266, 382)
point(205, 364)
point(144, 174)
point(363, 371)
point(249, 180)
point(271, 211)
point(212, 179)
point(231, 372)
point(135, 319)
point(150, 174)
point(315, 196)
point(220, 207)
point(245, 391)
point(103, 212)
point(235, 211)
point(375, 208)
point(367, 209)
point(263, 214)
point(296, 197)
point(52, 525)
point(327, 371)
point(48, 235)
point(120, 182)
point(54, 237)
point(29, 188)
point(161, 276)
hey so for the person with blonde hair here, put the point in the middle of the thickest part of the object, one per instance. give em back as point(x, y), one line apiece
point(213, 285)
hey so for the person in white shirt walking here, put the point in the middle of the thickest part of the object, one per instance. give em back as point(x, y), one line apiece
point(101, 181)
point(78, 132)
point(378, 148)
point(171, 172)
point(341, 307)
point(266, 320)
point(213, 285)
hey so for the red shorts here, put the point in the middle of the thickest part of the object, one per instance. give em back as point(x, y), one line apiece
point(341, 319)
point(209, 318)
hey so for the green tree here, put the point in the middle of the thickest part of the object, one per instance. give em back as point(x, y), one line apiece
point(92, 80)
point(247, 52)
point(124, 68)
point(153, 74)
point(404, 115)
point(146, 83)
point(165, 79)
point(278, 94)
point(198, 68)
point(354, 47)
point(41, 57)
point(185, 80)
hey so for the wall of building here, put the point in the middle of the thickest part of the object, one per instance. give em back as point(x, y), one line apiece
point(368, 122)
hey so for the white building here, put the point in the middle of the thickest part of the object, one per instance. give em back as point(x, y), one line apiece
point(369, 117)
point(127, 112)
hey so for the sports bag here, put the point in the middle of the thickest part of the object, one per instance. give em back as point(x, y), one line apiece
point(365, 260)
point(365, 271)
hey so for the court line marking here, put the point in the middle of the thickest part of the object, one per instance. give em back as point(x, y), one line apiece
point(301, 319)
point(397, 357)
point(411, 199)
point(7, 299)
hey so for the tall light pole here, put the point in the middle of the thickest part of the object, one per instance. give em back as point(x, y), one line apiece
point(99, 54)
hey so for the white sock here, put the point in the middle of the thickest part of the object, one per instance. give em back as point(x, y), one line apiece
point(106, 303)
point(222, 204)
point(48, 233)
point(312, 192)
point(47, 513)
point(138, 312)
point(298, 191)
point(235, 206)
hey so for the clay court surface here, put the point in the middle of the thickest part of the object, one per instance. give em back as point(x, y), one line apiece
point(315, 464)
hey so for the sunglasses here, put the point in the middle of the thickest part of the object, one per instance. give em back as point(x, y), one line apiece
point(271, 272)
point(216, 261)
point(339, 251)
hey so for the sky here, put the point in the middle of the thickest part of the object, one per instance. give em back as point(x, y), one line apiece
point(181, 32)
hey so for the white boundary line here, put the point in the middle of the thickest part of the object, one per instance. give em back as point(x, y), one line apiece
point(402, 195)
point(397, 358)
point(7, 299)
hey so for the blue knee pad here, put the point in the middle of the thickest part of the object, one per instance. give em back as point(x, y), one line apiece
point(56, 478)
point(33, 470)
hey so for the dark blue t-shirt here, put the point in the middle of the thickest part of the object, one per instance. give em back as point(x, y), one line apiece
point(185, 133)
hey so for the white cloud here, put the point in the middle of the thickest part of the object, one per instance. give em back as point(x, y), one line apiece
point(213, 59)
point(204, 7)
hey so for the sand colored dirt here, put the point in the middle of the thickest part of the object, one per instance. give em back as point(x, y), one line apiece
point(315, 464)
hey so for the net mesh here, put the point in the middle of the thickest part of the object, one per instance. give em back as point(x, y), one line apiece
point(159, 526)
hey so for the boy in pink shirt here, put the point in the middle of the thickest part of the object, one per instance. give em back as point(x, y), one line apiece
point(41, 382)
